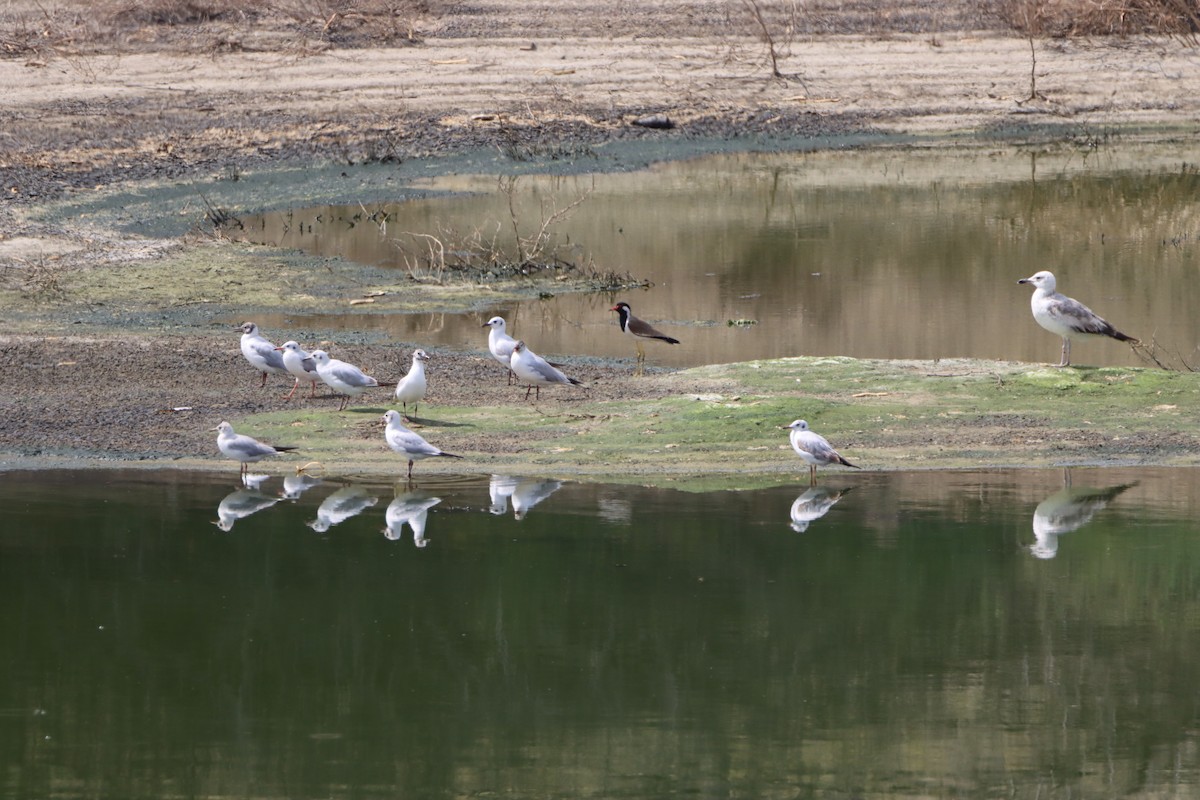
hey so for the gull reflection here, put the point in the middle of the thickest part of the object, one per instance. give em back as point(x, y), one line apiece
point(529, 492)
point(812, 505)
point(253, 481)
point(341, 506)
point(296, 485)
point(240, 504)
point(1066, 510)
point(501, 488)
point(411, 508)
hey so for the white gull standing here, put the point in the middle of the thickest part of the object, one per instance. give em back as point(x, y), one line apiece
point(536, 371)
point(242, 448)
point(411, 388)
point(408, 444)
point(1066, 316)
point(500, 344)
point(345, 379)
point(260, 352)
point(813, 449)
point(300, 364)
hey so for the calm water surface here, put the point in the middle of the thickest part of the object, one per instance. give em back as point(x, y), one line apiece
point(874, 254)
point(967, 634)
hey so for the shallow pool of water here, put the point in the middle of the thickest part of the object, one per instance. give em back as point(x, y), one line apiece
point(902, 635)
point(875, 255)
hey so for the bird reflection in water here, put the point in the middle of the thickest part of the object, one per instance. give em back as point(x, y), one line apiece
point(529, 492)
point(501, 488)
point(525, 493)
point(340, 506)
point(298, 484)
point(812, 505)
point(411, 508)
point(1066, 510)
point(240, 504)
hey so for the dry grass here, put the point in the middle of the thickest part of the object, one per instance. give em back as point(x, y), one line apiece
point(1075, 18)
point(45, 28)
point(40, 29)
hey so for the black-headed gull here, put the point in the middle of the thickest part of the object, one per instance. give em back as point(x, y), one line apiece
point(408, 444)
point(813, 449)
point(242, 448)
point(639, 329)
point(298, 362)
point(345, 379)
point(536, 371)
point(411, 388)
point(260, 352)
point(1065, 316)
point(500, 344)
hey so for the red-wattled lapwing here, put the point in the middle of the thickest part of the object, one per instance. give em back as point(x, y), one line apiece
point(409, 444)
point(639, 329)
point(259, 351)
point(814, 450)
point(1065, 316)
point(242, 448)
point(536, 371)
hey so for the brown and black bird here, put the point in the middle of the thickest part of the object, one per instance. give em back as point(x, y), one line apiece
point(639, 329)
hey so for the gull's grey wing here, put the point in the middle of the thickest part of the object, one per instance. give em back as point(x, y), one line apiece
point(351, 375)
point(267, 352)
point(409, 442)
point(816, 446)
point(1077, 316)
point(547, 372)
point(251, 448)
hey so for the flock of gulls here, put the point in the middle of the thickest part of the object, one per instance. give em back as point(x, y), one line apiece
point(1057, 313)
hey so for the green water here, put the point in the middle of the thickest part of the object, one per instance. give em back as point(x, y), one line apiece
point(917, 640)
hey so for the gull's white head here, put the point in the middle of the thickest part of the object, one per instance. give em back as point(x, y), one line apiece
point(420, 355)
point(248, 328)
point(519, 347)
point(799, 425)
point(391, 417)
point(291, 346)
point(319, 356)
point(1043, 280)
point(225, 429)
point(494, 322)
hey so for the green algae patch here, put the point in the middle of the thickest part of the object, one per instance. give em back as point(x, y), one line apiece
point(721, 426)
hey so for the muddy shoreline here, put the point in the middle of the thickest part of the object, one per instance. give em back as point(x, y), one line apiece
point(115, 288)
